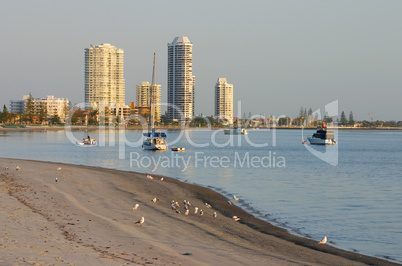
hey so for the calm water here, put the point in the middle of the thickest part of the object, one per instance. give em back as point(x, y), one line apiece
point(357, 202)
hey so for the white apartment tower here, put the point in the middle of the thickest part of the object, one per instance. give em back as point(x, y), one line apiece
point(144, 96)
point(104, 76)
point(180, 79)
point(224, 100)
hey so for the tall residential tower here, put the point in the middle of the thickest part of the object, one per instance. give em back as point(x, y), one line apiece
point(180, 79)
point(144, 97)
point(224, 100)
point(104, 77)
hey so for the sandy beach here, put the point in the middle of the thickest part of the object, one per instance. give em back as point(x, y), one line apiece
point(87, 218)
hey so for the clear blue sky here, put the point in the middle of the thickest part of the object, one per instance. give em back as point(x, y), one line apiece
point(280, 55)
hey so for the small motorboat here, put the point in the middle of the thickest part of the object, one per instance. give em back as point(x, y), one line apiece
point(322, 136)
point(177, 149)
point(87, 141)
point(236, 131)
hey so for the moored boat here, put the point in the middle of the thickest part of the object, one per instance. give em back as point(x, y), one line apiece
point(236, 131)
point(153, 140)
point(177, 149)
point(322, 136)
point(87, 141)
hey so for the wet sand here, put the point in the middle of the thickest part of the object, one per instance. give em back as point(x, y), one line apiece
point(86, 218)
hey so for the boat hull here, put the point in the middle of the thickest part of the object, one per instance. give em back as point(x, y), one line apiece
point(235, 132)
point(317, 141)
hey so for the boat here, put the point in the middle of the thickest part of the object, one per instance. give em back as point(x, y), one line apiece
point(322, 136)
point(87, 141)
point(236, 131)
point(153, 140)
point(177, 149)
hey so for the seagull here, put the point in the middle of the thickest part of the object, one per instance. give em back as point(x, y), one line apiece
point(235, 218)
point(187, 212)
point(141, 221)
point(214, 215)
point(236, 198)
point(136, 207)
point(18, 168)
point(201, 213)
point(154, 200)
point(323, 241)
point(149, 177)
point(58, 169)
point(229, 202)
point(207, 205)
point(195, 210)
point(56, 180)
point(161, 178)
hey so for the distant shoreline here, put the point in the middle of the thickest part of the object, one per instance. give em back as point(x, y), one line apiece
point(94, 128)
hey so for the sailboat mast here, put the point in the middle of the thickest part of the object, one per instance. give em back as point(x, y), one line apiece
point(151, 118)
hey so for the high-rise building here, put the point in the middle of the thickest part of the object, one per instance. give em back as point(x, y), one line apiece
point(180, 79)
point(104, 77)
point(224, 101)
point(144, 96)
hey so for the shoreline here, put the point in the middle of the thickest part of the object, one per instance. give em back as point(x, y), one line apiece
point(267, 242)
point(96, 128)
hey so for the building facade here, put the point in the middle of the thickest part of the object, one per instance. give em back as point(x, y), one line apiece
point(144, 96)
point(224, 101)
point(104, 77)
point(180, 79)
point(50, 105)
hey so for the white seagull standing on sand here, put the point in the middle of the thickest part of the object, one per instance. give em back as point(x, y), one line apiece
point(323, 241)
point(18, 168)
point(207, 205)
point(58, 169)
point(236, 198)
point(235, 218)
point(214, 215)
point(154, 200)
point(161, 178)
point(136, 207)
point(141, 221)
point(149, 177)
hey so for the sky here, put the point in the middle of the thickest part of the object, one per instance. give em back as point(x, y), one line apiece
point(279, 55)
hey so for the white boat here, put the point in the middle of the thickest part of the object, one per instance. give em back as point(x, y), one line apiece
point(87, 141)
point(236, 131)
point(322, 136)
point(153, 140)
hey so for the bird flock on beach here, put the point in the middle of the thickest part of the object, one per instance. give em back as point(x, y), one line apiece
point(184, 208)
point(175, 206)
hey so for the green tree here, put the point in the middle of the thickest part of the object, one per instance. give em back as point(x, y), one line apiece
point(344, 120)
point(351, 119)
point(42, 112)
point(56, 119)
point(4, 116)
point(30, 108)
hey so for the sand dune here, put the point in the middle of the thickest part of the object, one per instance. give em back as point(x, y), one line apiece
point(87, 218)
